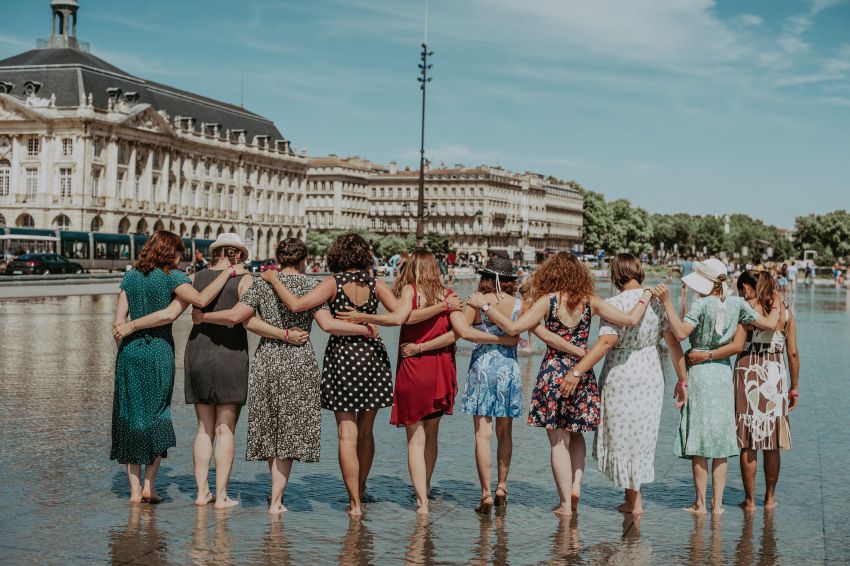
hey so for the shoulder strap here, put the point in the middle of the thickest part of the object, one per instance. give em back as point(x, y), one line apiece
point(517, 308)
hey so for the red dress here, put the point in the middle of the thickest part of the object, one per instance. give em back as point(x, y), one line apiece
point(424, 384)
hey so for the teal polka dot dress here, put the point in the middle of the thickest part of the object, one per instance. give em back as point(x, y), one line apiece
point(144, 373)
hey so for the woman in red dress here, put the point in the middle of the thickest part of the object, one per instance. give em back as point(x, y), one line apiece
point(426, 382)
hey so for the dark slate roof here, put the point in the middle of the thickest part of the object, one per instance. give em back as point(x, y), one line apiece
point(61, 70)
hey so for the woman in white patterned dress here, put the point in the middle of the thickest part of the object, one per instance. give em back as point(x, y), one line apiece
point(631, 386)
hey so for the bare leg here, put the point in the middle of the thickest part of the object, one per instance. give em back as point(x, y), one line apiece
point(134, 475)
point(719, 469)
point(149, 489)
point(483, 458)
point(225, 425)
point(699, 467)
point(749, 467)
point(365, 445)
point(504, 438)
point(771, 477)
point(432, 433)
point(559, 441)
point(280, 476)
point(578, 450)
point(346, 423)
point(416, 464)
point(633, 503)
point(202, 451)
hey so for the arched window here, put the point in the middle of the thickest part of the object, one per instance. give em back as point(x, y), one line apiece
point(62, 222)
point(142, 227)
point(182, 229)
point(124, 226)
point(96, 224)
point(249, 240)
point(195, 230)
point(219, 232)
point(207, 232)
point(158, 226)
point(2, 221)
point(25, 221)
point(5, 177)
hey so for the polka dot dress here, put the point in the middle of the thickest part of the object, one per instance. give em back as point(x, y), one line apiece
point(356, 375)
point(144, 373)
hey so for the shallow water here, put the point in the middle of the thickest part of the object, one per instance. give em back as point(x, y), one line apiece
point(63, 501)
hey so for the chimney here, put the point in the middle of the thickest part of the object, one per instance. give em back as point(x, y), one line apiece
point(393, 168)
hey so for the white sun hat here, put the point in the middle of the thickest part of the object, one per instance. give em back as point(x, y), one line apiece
point(705, 276)
point(229, 239)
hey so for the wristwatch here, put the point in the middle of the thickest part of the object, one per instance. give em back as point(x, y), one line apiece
point(575, 374)
point(485, 307)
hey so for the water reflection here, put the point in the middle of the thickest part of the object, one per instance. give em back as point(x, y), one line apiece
point(217, 548)
point(698, 551)
point(421, 549)
point(359, 544)
point(140, 537)
point(768, 553)
point(566, 546)
point(276, 547)
point(487, 550)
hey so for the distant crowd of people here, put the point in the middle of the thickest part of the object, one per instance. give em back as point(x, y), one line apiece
point(726, 410)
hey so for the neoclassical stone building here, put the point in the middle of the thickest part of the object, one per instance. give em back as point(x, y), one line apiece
point(338, 192)
point(87, 146)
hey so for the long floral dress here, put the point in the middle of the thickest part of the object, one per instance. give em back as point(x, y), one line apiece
point(707, 423)
point(580, 411)
point(632, 395)
point(284, 383)
point(144, 373)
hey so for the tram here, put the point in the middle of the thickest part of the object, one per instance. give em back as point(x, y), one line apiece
point(95, 251)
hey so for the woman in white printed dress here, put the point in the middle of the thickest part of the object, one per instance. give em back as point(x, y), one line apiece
point(631, 386)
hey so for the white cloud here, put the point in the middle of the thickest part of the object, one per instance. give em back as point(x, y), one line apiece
point(821, 5)
point(750, 20)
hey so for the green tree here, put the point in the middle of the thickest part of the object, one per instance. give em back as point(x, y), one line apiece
point(599, 223)
point(828, 234)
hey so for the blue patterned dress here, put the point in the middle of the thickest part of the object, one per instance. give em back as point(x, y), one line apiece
point(580, 411)
point(493, 384)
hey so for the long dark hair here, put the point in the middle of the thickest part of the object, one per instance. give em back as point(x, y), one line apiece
point(762, 283)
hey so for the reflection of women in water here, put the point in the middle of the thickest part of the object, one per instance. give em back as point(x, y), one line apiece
point(153, 294)
point(632, 386)
point(564, 401)
point(284, 394)
point(358, 546)
point(137, 538)
point(707, 425)
point(356, 373)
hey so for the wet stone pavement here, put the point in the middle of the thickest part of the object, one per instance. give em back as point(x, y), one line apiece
point(63, 502)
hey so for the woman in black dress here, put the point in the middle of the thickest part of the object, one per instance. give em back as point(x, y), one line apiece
point(356, 374)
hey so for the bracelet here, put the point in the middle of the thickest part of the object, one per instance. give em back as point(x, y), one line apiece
point(642, 302)
point(368, 333)
point(710, 355)
point(448, 307)
point(419, 349)
point(232, 271)
point(794, 393)
point(684, 384)
point(286, 335)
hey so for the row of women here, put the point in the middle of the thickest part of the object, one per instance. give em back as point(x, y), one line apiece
point(285, 390)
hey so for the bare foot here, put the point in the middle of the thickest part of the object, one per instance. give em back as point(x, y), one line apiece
point(277, 509)
point(422, 509)
point(204, 499)
point(695, 509)
point(632, 508)
point(769, 503)
point(485, 505)
point(562, 510)
point(717, 508)
point(223, 502)
point(574, 501)
point(354, 511)
point(747, 505)
point(137, 498)
point(151, 496)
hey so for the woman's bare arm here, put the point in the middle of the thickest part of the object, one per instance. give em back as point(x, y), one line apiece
point(793, 354)
point(191, 296)
point(122, 311)
point(262, 328)
point(680, 329)
point(322, 293)
point(612, 314)
point(398, 310)
point(733, 348)
point(527, 320)
point(159, 318)
point(598, 351)
point(770, 321)
point(331, 325)
point(452, 302)
point(409, 349)
point(462, 329)
point(557, 342)
point(680, 393)
point(240, 312)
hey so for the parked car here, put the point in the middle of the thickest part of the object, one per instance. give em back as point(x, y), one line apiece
point(260, 265)
point(42, 264)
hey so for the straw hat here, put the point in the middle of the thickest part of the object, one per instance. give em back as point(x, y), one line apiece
point(231, 240)
point(705, 275)
point(501, 267)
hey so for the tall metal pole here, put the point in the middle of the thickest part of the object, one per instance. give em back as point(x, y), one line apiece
point(424, 79)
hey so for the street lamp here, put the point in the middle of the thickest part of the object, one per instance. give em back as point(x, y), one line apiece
point(424, 79)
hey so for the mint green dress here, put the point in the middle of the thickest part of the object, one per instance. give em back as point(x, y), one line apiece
point(707, 426)
point(144, 373)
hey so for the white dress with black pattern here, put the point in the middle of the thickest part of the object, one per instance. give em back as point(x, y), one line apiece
point(284, 411)
point(356, 375)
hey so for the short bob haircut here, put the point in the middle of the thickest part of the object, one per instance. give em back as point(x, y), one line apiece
point(350, 251)
point(160, 252)
point(626, 267)
point(291, 252)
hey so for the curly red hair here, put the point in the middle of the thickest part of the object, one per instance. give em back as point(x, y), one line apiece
point(160, 252)
point(563, 274)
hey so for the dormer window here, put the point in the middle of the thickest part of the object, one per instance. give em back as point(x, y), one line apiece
point(31, 88)
point(131, 97)
point(113, 93)
point(6, 88)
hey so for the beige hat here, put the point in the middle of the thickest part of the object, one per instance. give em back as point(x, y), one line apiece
point(229, 239)
point(704, 276)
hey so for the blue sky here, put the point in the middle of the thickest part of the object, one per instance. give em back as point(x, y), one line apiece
point(677, 105)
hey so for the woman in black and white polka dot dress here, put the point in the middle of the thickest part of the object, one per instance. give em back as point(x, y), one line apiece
point(356, 373)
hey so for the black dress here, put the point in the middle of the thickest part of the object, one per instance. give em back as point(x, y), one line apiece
point(216, 360)
point(356, 375)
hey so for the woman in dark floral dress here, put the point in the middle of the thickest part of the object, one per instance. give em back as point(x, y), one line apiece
point(563, 401)
point(284, 410)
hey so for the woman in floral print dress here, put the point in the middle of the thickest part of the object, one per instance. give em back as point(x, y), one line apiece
point(564, 402)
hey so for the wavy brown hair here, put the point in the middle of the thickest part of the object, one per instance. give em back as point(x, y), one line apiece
point(160, 252)
point(762, 283)
point(422, 271)
point(626, 267)
point(487, 284)
point(350, 251)
point(291, 252)
point(563, 274)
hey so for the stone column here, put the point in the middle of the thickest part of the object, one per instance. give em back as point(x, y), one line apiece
point(129, 183)
point(17, 181)
point(147, 192)
point(110, 177)
point(164, 180)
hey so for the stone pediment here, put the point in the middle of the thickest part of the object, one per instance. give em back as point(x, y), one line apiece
point(14, 110)
point(145, 118)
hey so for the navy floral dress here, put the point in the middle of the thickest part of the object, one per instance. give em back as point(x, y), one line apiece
point(580, 411)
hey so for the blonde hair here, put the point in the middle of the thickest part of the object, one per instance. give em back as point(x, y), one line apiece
point(422, 272)
point(234, 255)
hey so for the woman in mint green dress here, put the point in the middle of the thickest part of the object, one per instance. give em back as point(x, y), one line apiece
point(707, 428)
point(153, 295)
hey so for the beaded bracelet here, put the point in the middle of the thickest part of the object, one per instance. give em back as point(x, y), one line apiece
point(286, 335)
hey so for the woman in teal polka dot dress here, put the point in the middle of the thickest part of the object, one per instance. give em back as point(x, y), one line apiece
point(153, 295)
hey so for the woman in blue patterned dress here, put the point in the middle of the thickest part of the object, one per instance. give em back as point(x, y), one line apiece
point(707, 427)
point(563, 401)
point(153, 295)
